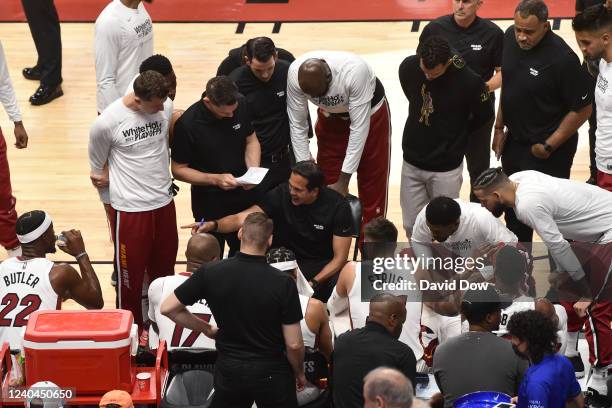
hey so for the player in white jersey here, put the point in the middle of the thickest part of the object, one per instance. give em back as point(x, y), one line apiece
point(464, 230)
point(201, 249)
point(350, 294)
point(560, 210)
point(353, 123)
point(593, 29)
point(123, 39)
point(30, 282)
point(132, 136)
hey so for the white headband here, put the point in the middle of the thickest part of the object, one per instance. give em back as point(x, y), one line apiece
point(34, 235)
point(285, 266)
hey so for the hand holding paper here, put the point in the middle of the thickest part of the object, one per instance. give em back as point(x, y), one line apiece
point(253, 176)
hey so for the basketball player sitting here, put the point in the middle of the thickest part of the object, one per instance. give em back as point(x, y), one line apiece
point(30, 282)
point(201, 249)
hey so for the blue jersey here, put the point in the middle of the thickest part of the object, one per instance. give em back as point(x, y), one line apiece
point(548, 384)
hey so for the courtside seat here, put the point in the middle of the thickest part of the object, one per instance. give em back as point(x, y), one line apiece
point(191, 379)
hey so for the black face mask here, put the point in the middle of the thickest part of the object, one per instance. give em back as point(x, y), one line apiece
point(518, 353)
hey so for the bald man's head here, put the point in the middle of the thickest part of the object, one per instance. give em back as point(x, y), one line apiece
point(314, 77)
point(545, 307)
point(201, 249)
point(388, 311)
point(387, 387)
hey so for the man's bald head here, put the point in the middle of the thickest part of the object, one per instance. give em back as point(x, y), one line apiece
point(314, 77)
point(389, 311)
point(545, 307)
point(201, 249)
point(387, 387)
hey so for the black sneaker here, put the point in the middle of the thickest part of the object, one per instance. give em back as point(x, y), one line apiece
point(32, 73)
point(594, 399)
point(578, 365)
point(45, 94)
point(114, 281)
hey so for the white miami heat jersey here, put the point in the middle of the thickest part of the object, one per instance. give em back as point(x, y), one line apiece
point(175, 335)
point(520, 304)
point(359, 311)
point(24, 288)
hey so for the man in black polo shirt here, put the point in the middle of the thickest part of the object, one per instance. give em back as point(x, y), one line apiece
point(311, 219)
point(213, 143)
point(263, 81)
point(359, 351)
point(546, 96)
point(257, 326)
point(238, 57)
point(447, 102)
point(480, 43)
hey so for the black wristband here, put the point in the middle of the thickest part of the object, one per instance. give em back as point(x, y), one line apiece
point(314, 283)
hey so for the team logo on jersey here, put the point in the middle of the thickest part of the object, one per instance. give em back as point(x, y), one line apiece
point(331, 100)
point(534, 72)
point(458, 62)
point(427, 108)
point(318, 227)
point(476, 47)
point(602, 84)
point(280, 94)
point(236, 126)
point(139, 133)
point(144, 29)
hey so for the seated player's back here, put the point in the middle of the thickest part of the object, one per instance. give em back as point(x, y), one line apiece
point(175, 335)
point(25, 287)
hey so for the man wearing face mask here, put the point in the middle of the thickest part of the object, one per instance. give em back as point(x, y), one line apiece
point(545, 97)
point(30, 282)
point(447, 101)
point(480, 42)
point(550, 381)
point(359, 351)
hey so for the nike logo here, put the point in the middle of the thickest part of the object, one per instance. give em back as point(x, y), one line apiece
point(584, 97)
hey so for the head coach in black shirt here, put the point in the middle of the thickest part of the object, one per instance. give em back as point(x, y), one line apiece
point(545, 97)
point(480, 43)
point(237, 57)
point(447, 102)
point(258, 312)
point(359, 351)
point(263, 82)
point(311, 219)
point(213, 143)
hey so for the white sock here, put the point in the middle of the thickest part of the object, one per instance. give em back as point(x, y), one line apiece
point(598, 380)
point(572, 344)
point(14, 252)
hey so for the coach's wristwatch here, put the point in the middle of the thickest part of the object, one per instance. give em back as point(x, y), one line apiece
point(548, 147)
point(314, 283)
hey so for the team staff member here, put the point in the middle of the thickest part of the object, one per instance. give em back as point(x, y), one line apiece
point(480, 43)
point(30, 282)
point(238, 57)
point(45, 29)
point(256, 328)
point(561, 210)
point(549, 382)
point(546, 96)
point(592, 67)
point(593, 30)
point(8, 215)
point(263, 81)
point(213, 143)
point(310, 219)
point(353, 123)
point(447, 101)
point(131, 135)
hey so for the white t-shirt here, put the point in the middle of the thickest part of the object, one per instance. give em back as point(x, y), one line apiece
point(359, 311)
point(24, 288)
point(351, 90)
point(7, 92)
point(135, 144)
point(123, 39)
point(559, 209)
point(174, 335)
point(603, 100)
point(477, 226)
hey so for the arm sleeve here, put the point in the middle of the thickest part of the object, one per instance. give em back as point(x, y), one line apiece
point(297, 110)
point(226, 67)
point(498, 50)
point(538, 217)
point(404, 74)
point(343, 221)
point(100, 144)
point(407, 365)
point(574, 84)
point(291, 309)
point(193, 289)
point(106, 43)
point(360, 106)
point(181, 149)
point(7, 92)
point(420, 241)
point(495, 230)
point(481, 106)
